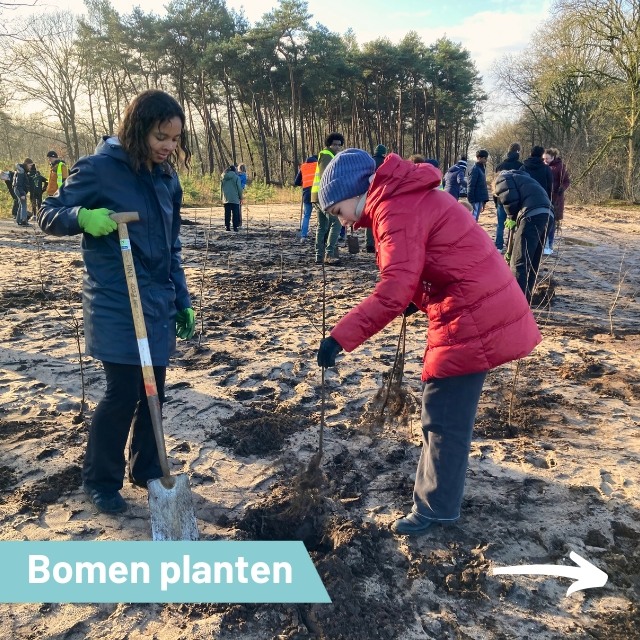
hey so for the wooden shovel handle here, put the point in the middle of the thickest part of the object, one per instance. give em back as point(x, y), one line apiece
point(150, 387)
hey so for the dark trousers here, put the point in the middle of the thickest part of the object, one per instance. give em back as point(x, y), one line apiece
point(231, 213)
point(15, 206)
point(36, 203)
point(449, 408)
point(123, 408)
point(527, 251)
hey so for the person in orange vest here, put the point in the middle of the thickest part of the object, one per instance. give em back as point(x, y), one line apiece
point(58, 173)
point(304, 179)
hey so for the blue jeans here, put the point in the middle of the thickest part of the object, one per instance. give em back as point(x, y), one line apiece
point(326, 234)
point(449, 408)
point(22, 214)
point(551, 232)
point(501, 215)
point(306, 217)
point(477, 209)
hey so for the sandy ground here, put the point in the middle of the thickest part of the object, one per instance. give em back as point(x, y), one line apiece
point(242, 419)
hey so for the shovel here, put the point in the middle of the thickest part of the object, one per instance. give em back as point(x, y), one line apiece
point(170, 503)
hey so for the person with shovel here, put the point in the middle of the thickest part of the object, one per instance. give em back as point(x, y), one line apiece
point(434, 258)
point(131, 172)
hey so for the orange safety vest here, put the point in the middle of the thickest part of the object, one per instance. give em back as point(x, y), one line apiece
point(308, 172)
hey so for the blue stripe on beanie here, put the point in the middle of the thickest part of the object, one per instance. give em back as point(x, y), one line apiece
point(346, 176)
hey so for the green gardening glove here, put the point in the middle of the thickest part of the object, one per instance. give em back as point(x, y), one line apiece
point(510, 224)
point(185, 323)
point(96, 222)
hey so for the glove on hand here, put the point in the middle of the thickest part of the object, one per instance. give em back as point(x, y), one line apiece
point(96, 222)
point(410, 310)
point(185, 323)
point(507, 257)
point(329, 349)
point(510, 224)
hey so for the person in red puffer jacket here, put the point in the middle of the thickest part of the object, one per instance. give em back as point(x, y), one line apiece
point(433, 257)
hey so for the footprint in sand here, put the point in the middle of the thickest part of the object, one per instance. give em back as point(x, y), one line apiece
point(610, 486)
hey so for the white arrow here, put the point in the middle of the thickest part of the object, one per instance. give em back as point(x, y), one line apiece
point(586, 575)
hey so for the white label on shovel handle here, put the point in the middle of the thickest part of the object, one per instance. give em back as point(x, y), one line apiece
point(145, 354)
point(125, 244)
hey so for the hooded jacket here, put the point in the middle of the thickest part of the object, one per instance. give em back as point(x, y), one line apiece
point(521, 195)
point(432, 252)
point(106, 179)
point(454, 179)
point(540, 172)
point(231, 187)
point(21, 182)
point(512, 161)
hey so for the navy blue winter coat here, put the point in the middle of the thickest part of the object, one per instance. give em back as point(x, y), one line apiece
point(106, 179)
point(477, 190)
point(454, 178)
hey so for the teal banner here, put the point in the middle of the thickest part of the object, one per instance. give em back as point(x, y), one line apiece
point(158, 572)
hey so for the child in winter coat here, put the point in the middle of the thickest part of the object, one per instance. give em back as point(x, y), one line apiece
point(131, 172)
point(434, 258)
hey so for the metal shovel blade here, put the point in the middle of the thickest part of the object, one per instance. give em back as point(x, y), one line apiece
point(172, 513)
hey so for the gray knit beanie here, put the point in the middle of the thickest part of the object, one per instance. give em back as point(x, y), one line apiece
point(346, 176)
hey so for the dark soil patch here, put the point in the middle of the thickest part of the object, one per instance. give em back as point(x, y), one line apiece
point(260, 430)
point(199, 357)
point(544, 294)
point(528, 416)
point(240, 294)
point(26, 429)
point(33, 499)
point(8, 477)
point(350, 558)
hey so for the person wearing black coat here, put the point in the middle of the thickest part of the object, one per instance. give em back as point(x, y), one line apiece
point(477, 192)
point(512, 161)
point(534, 165)
point(38, 186)
point(529, 212)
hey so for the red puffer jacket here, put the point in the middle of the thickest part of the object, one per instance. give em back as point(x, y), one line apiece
point(432, 252)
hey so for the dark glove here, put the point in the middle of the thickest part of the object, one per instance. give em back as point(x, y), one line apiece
point(185, 323)
point(410, 310)
point(329, 349)
point(96, 222)
point(510, 224)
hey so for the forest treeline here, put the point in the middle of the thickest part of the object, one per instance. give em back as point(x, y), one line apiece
point(577, 87)
point(267, 94)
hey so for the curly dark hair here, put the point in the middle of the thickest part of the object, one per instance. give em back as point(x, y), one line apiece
point(146, 110)
point(333, 136)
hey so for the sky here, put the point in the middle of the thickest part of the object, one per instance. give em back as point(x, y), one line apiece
point(488, 29)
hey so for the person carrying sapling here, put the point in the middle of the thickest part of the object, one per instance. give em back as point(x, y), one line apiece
point(433, 258)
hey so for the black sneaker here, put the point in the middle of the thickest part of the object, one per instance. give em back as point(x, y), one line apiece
point(332, 262)
point(371, 249)
point(106, 501)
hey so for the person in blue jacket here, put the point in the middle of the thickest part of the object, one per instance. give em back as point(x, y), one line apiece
point(131, 172)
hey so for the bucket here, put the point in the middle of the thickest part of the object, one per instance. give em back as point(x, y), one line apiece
point(352, 244)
